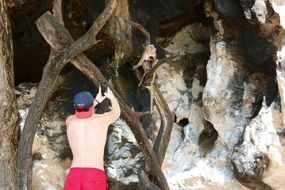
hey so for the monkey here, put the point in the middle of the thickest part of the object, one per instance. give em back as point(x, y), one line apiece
point(148, 60)
point(148, 55)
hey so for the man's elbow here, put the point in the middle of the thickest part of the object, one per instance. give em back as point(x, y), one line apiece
point(117, 114)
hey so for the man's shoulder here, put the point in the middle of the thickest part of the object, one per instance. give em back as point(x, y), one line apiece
point(103, 119)
point(98, 116)
point(70, 119)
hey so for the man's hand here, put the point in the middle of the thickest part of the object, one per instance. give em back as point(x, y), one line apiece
point(109, 94)
point(99, 98)
point(115, 112)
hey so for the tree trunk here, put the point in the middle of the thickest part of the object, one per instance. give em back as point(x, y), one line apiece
point(9, 116)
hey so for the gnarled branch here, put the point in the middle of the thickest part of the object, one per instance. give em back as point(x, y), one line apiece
point(142, 29)
point(167, 118)
point(144, 179)
point(163, 137)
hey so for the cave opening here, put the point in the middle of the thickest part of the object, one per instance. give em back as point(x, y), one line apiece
point(264, 63)
point(31, 51)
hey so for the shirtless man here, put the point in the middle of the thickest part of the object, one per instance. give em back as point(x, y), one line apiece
point(87, 133)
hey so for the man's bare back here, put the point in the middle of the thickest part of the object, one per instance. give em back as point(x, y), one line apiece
point(87, 136)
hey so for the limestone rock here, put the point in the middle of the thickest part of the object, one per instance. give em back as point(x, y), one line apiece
point(260, 10)
point(223, 93)
point(49, 171)
point(184, 166)
point(171, 77)
point(188, 38)
point(123, 154)
point(279, 7)
point(172, 85)
point(258, 162)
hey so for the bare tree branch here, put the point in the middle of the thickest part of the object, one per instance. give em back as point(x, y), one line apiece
point(159, 63)
point(167, 118)
point(57, 11)
point(163, 137)
point(144, 179)
point(142, 29)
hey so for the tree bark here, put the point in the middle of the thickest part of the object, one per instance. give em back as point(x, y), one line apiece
point(82, 63)
point(45, 89)
point(9, 115)
point(167, 118)
point(163, 137)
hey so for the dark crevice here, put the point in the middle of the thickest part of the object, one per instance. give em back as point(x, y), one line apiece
point(195, 67)
point(271, 90)
point(175, 118)
point(256, 108)
point(281, 132)
point(31, 51)
point(264, 63)
point(207, 138)
point(183, 122)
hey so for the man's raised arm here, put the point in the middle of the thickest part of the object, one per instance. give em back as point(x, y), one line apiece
point(115, 112)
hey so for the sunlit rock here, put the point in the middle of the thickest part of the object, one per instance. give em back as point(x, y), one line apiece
point(259, 161)
point(173, 88)
point(223, 93)
point(123, 154)
point(279, 7)
point(187, 40)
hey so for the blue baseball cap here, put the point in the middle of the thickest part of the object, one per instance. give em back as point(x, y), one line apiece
point(83, 100)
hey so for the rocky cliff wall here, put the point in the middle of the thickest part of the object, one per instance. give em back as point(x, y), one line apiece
point(226, 89)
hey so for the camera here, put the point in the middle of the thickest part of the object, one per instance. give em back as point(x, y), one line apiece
point(104, 88)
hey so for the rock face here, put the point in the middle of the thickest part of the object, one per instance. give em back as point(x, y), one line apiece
point(123, 156)
point(189, 165)
point(259, 160)
point(279, 7)
point(194, 153)
point(223, 93)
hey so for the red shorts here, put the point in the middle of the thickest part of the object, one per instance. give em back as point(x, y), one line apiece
point(86, 179)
